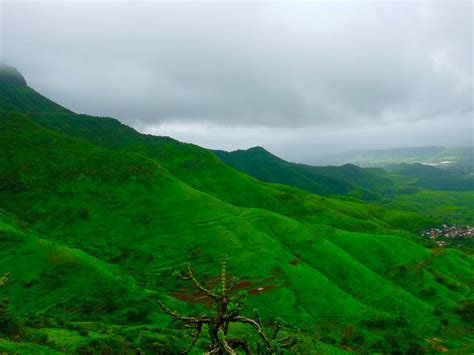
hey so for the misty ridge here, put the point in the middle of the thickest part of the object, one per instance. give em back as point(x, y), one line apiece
point(302, 80)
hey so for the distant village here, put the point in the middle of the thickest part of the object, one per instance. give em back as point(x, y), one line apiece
point(448, 231)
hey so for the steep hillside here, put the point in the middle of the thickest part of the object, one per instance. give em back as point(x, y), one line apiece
point(205, 172)
point(59, 278)
point(95, 217)
point(62, 299)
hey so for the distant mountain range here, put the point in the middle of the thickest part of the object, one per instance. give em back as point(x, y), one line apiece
point(364, 183)
point(434, 156)
point(349, 179)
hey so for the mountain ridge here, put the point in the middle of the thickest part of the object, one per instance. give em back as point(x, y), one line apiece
point(365, 183)
point(109, 201)
point(436, 155)
point(349, 179)
point(11, 76)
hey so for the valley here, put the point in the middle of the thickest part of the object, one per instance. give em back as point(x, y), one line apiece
point(95, 217)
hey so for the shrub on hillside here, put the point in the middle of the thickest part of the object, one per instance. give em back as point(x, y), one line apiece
point(83, 213)
point(8, 325)
point(428, 292)
point(466, 310)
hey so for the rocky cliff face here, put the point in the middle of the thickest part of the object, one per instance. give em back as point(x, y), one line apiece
point(10, 75)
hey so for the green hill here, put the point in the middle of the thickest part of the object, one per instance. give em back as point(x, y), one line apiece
point(363, 183)
point(434, 178)
point(95, 217)
point(201, 169)
point(401, 186)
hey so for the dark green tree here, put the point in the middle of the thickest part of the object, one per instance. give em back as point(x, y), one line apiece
point(227, 310)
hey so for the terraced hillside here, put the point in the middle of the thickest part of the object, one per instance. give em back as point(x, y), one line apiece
point(95, 217)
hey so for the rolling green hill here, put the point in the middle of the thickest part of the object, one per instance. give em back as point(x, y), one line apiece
point(202, 170)
point(401, 186)
point(95, 217)
point(363, 183)
point(434, 178)
point(370, 184)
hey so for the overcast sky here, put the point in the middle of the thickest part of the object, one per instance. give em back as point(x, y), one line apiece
point(301, 79)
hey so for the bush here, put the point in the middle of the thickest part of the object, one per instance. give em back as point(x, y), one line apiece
point(104, 347)
point(402, 270)
point(83, 213)
point(440, 279)
point(453, 286)
point(466, 310)
point(8, 325)
point(137, 314)
point(401, 321)
point(376, 322)
point(354, 338)
point(328, 340)
point(39, 338)
point(429, 292)
point(437, 312)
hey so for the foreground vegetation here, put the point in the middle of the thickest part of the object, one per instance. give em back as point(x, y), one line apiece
point(228, 304)
point(95, 217)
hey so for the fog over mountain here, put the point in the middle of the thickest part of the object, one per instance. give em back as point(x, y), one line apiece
point(301, 79)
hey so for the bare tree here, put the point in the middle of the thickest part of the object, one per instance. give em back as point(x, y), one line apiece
point(227, 310)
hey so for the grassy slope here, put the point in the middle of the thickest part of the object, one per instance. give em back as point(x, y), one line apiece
point(449, 199)
point(434, 178)
point(204, 171)
point(75, 281)
point(451, 206)
point(101, 202)
point(65, 298)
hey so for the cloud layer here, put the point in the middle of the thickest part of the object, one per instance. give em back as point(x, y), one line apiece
point(285, 69)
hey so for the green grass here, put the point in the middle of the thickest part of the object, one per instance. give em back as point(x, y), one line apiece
point(448, 206)
point(95, 217)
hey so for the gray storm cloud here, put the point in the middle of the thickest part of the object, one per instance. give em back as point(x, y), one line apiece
point(285, 68)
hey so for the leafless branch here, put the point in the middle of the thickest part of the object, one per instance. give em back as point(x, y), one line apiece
point(178, 316)
point(257, 327)
point(195, 338)
point(190, 276)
